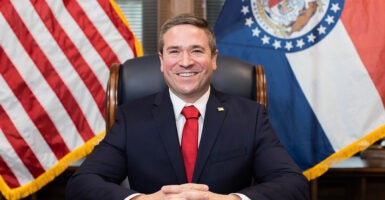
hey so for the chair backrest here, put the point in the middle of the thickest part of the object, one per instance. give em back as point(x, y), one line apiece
point(141, 76)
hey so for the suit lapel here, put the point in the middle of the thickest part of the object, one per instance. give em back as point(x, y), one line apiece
point(165, 119)
point(215, 115)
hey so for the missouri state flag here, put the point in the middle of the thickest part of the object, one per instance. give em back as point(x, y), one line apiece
point(54, 63)
point(325, 68)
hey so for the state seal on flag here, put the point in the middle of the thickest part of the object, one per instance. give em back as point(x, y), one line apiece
point(290, 25)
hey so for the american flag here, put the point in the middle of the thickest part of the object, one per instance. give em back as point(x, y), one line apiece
point(55, 57)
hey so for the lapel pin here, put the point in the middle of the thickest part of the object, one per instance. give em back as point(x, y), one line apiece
point(220, 109)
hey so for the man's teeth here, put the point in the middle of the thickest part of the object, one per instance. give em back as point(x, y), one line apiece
point(187, 74)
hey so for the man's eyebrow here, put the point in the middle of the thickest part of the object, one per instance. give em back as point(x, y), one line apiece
point(172, 47)
point(197, 47)
point(190, 47)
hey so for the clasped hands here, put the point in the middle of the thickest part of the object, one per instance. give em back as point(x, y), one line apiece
point(188, 191)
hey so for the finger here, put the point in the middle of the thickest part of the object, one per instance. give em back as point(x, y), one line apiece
point(174, 189)
point(188, 195)
point(196, 186)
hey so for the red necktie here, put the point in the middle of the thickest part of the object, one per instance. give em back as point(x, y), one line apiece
point(190, 139)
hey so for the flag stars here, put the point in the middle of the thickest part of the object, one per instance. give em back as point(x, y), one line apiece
point(277, 44)
point(288, 46)
point(256, 32)
point(300, 43)
point(245, 10)
point(311, 38)
point(330, 19)
point(321, 30)
point(265, 39)
point(249, 22)
point(260, 31)
point(335, 7)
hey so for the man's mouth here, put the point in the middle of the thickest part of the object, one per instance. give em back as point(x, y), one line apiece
point(187, 74)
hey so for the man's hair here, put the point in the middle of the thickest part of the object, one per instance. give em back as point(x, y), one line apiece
point(188, 19)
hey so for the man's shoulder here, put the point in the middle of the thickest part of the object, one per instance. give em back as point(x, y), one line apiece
point(236, 99)
point(239, 104)
point(139, 103)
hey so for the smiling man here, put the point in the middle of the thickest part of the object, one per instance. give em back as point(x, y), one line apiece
point(188, 60)
point(228, 153)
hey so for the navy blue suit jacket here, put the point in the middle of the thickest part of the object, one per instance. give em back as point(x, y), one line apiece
point(238, 152)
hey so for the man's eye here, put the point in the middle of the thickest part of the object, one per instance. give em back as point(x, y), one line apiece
point(173, 52)
point(197, 51)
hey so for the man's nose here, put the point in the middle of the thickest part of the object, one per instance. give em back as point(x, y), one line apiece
point(186, 60)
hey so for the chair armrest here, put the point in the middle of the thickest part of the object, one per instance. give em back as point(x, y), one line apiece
point(261, 93)
point(112, 95)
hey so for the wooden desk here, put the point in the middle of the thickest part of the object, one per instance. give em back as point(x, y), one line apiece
point(353, 179)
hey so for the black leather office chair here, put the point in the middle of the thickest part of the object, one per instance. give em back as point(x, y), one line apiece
point(141, 76)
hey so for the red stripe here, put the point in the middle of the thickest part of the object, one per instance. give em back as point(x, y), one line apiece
point(364, 21)
point(96, 39)
point(74, 56)
point(7, 174)
point(51, 76)
point(21, 148)
point(120, 26)
point(32, 106)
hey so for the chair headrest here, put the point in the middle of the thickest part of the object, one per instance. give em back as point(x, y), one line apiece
point(141, 76)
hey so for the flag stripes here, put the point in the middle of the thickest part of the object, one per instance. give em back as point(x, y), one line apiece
point(98, 42)
point(71, 51)
point(33, 108)
point(370, 50)
point(319, 82)
point(116, 31)
point(7, 172)
point(325, 83)
point(14, 110)
point(33, 78)
point(55, 58)
point(46, 69)
point(21, 147)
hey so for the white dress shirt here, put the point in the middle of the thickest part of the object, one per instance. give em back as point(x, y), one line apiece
point(179, 104)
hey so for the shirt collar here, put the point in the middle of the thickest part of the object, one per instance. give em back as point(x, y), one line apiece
point(200, 104)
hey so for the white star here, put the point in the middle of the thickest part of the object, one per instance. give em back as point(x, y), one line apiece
point(311, 38)
point(245, 10)
point(265, 39)
point(249, 22)
point(300, 43)
point(256, 32)
point(288, 46)
point(321, 30)
point(335, 7)
point(277, 44)
point(330, 19)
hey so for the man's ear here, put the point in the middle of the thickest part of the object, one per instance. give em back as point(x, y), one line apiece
point(161, 61)
point(214, 59)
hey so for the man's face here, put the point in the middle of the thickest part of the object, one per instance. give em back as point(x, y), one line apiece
point(187, 62)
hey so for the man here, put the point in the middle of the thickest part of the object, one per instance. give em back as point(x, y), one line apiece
point(239, 156)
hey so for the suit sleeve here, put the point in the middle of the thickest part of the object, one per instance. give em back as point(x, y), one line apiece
point(99, 177)
point(276, 174)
